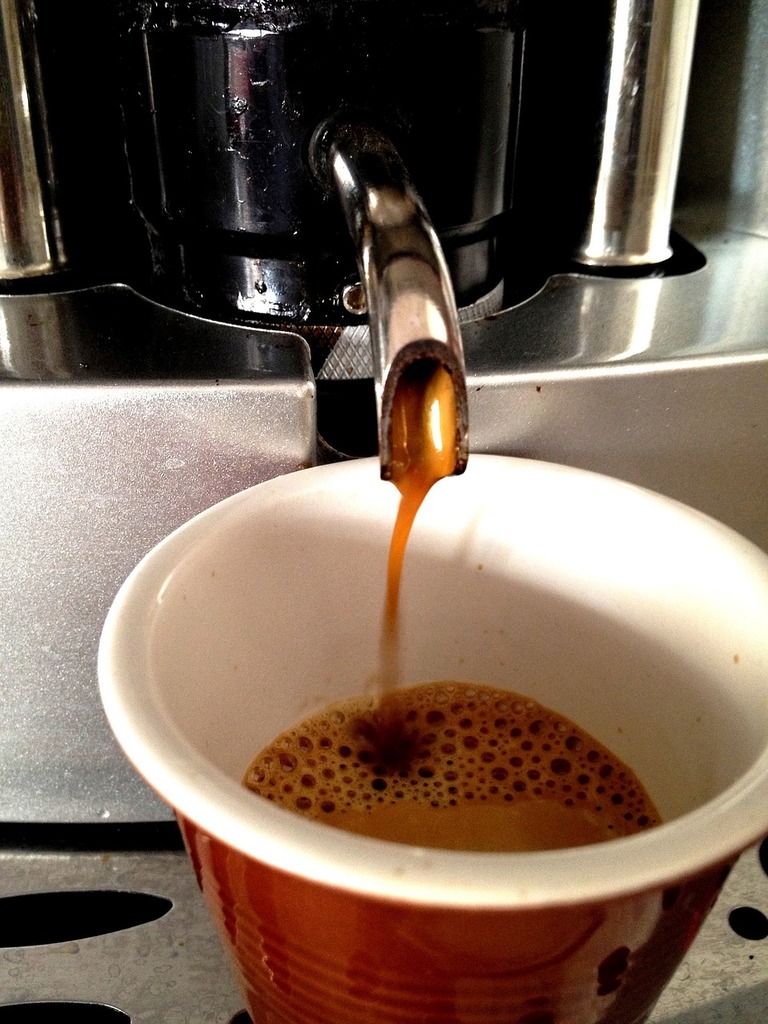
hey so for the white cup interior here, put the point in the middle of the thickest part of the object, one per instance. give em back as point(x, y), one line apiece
point(641, 620)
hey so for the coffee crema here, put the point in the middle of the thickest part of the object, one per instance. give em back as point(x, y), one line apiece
point(466, 767)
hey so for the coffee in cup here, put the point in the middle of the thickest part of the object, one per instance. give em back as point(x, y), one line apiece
point(454, 766)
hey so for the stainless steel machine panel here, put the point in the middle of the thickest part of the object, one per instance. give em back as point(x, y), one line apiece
point(99, 463)
point(662, 382)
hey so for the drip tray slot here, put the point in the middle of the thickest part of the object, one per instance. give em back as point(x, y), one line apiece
point(43, 918)
point(53, 1012)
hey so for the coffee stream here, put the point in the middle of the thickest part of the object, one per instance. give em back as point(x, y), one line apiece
point(424, 429)
point(423, 451)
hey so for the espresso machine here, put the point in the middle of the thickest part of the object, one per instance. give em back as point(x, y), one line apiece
point(200, 204)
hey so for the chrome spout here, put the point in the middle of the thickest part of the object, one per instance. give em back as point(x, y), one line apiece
point(410, 302)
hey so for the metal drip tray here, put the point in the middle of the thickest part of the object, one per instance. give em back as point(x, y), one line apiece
point(173, 970)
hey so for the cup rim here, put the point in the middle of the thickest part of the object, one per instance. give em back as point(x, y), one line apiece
point(702, 839)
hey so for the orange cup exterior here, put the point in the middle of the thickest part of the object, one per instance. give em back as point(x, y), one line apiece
point(305, 951)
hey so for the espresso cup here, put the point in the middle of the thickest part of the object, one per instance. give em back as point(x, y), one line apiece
point(642, 620)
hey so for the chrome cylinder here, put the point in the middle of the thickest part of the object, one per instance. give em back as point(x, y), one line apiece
point(30, 239)
point(640, 136)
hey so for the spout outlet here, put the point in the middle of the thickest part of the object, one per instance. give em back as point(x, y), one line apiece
point(411, 306)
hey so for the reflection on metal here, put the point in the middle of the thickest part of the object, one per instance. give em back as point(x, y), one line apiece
point(633, 318)
point(35, 340)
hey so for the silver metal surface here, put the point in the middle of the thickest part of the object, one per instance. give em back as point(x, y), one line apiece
point(174, 970)
point(412, 311)
point(725, 149)
point(659, 381)
point(640, 136)
point(30, 241)
point(96, 469)
point(749, 198)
